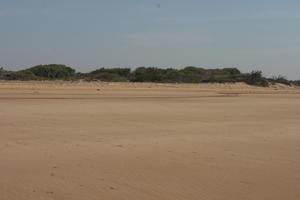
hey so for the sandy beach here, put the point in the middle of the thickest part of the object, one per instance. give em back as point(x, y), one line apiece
point(147, 141)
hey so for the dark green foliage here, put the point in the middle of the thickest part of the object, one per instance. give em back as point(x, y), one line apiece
point(109, 77)
point(232, 71)
point(124, 72)
point(22, 75)
point(200, 75)
point(193, 75)
point(171, 75)
point(280, 79)
point(147, 74)
point(109, 74)
point(256, 78)
point(297, 83)
point(3, 73)
point(52, 71)
point(188, 74)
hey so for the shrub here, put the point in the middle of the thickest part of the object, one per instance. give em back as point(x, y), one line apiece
point(3, 74)
point(52, 71)
point(150, 74)
point(188, 74)
point(108, 74)
point(280, 79)
point(296, 82)
point(124, 72)
point(23, 75)
point(256, 78)
point(109, 77)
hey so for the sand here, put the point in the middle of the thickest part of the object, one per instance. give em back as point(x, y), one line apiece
point(133, 141)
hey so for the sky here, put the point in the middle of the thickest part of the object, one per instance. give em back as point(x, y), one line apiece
point(88, 34)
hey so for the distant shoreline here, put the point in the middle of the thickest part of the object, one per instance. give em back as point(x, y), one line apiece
point(185, 75)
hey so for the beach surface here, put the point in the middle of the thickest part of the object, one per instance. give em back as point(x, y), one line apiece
point(146, 141)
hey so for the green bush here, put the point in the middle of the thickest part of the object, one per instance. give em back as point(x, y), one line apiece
point(147, 74)
point(280, 79)
point(52, 71)
point(3, 74)
point(296, 82)
point(188, 74)
point(110, 77)
point(108, 74)
point(123, 72)
point(256, 78)
point(23, 75)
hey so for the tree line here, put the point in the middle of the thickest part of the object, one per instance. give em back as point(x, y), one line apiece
point(188, 74)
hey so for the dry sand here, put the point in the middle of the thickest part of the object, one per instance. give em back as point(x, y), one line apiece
point(91, 141)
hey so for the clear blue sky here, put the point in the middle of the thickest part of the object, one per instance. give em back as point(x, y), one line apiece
point(86, 34)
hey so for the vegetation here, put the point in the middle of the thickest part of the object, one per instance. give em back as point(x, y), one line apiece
point(52, 71)
point(280, 79)
point(188, 74)
point(22, 75)
point(296, 83)
point(113, 74)
point(256, 78)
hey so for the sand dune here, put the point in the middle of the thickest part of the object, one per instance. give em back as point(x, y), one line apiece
point(64, 140)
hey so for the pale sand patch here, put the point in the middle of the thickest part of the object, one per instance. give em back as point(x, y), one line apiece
point(63, 140)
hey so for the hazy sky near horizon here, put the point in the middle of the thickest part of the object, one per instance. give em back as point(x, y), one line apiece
point(87, 34)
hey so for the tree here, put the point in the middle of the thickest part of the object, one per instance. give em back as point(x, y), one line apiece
point(52, 71)
point(256, 78)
